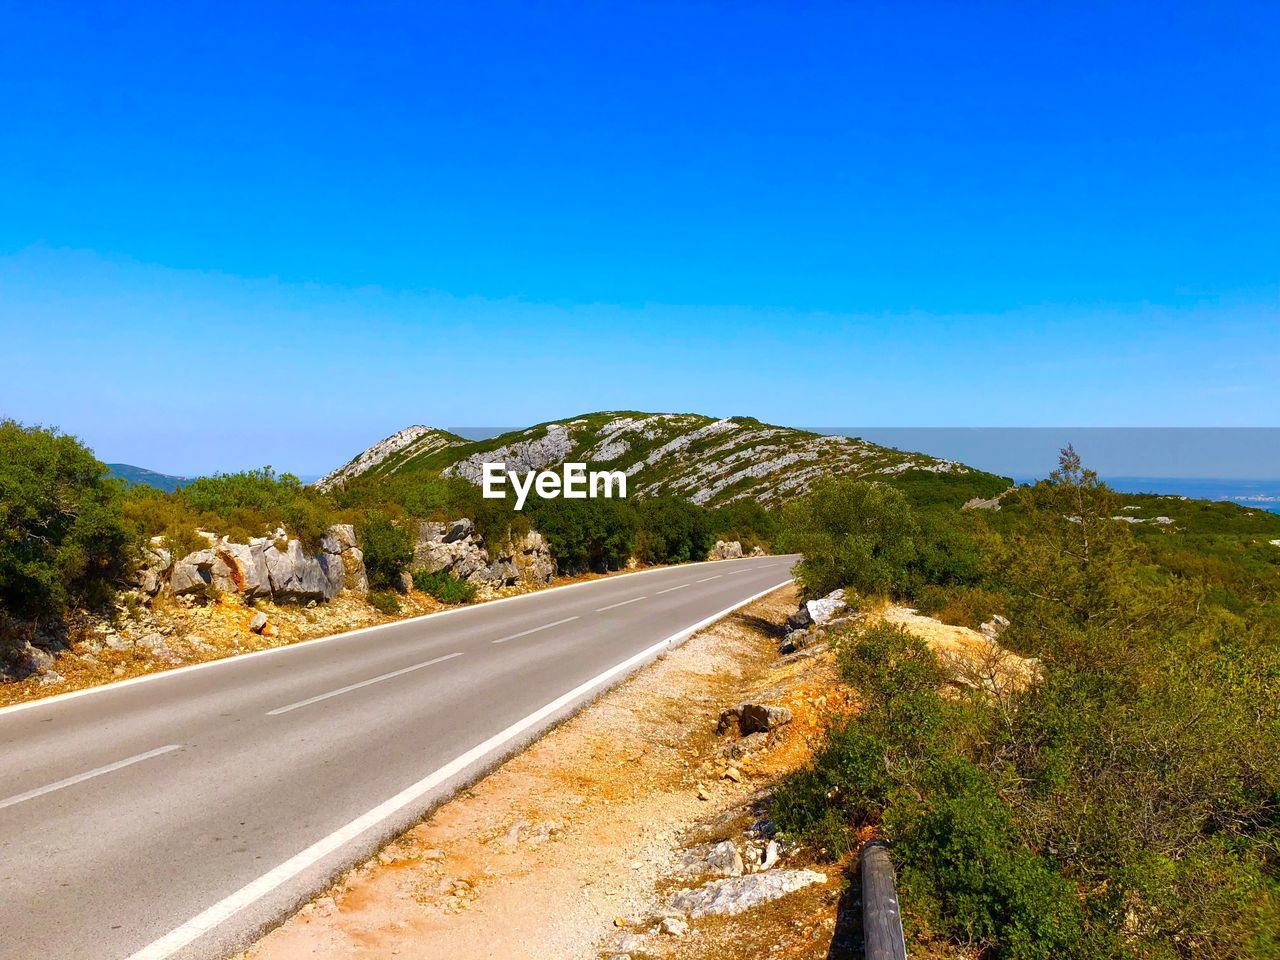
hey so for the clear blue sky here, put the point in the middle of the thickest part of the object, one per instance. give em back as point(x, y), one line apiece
point(243, 234)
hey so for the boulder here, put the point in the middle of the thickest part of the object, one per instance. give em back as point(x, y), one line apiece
point(725, 550)
point(711, 859)
point(753, 718)
point(532, 558)
point(673, 926)
point(296, 576)
point(246, 567)
point(459, 529)
point(994, 627)
point(357, 580)
point(757, 551)
point(339, 538)
point(152, 570)
point(196, 572)
point(258, 622)
point(35, 660)
point(738, 894)
point(818, 612)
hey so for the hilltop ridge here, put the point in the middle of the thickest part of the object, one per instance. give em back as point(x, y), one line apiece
point(707, 460)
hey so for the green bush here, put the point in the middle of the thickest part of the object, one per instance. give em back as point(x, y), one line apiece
point(384, 601)
point(252, 503)
point(671, 530)
point(62, 536)
point(964, 863)
point(388, 549)
point(852, 534)
point(444, 586)
point(746, 521)
point(583, 535)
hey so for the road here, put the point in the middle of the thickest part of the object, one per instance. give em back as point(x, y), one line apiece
point(184, 814)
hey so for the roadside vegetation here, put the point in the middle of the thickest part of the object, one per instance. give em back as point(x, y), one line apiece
point(71, 534)
point(1125, 805)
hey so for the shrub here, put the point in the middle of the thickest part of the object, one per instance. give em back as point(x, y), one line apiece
point(251, 503)
point(852, 534)
point(388, 549)
point(747, 522)
point(584, 535)
point(672, 530)
point(964, 863)
point(384, 601)
point(62, 536)
point(444, 586)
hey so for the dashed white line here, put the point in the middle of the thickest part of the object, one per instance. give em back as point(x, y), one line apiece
point(622, 603)
point(706, 579)
point(363, 683)
point(669, 589)
point(87, 775)
point(525, 633)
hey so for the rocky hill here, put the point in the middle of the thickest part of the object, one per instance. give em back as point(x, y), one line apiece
point(386, 456)
point(703, 459)
point(135, 475)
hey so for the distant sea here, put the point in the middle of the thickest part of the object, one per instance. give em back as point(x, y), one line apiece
point(1258, 494)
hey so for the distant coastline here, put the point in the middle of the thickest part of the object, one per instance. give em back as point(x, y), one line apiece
point(1257, 494)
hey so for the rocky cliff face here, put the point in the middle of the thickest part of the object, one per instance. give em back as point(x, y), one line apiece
point(702, 459)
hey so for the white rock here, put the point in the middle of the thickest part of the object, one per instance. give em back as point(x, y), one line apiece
point(673, 926)
point(737, 894)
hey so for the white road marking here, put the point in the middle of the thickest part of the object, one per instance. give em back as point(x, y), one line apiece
point(87, 775)
point(203, 922)
point(363, 683)
point(525, 633)
point(708, 579)
point(622, 603)
point(669, 589)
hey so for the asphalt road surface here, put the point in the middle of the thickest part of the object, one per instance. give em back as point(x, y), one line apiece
point(183, 814)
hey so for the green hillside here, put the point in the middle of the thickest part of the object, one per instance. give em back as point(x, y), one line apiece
point(136, 476)
point(705, 460)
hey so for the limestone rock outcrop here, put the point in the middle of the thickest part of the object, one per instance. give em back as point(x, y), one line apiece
point(276, 567)
point(458, 549)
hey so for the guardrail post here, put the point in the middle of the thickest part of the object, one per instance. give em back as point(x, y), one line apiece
point(881, 919)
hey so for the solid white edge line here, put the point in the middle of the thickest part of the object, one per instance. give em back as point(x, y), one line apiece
point(621, 603)
point(669, 589)
point(363, 683)
point(241, 657)
point(545, 626)
point(87, 775)
point(208, 919)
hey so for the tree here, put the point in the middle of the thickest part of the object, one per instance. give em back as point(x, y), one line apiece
point(1072, 557)
point(62, 539)
point(388, 549)
point(852, 534)
point(672, 530)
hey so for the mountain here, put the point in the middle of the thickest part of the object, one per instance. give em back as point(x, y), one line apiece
point(141, 475)
point(703, 459)
point(387, 456)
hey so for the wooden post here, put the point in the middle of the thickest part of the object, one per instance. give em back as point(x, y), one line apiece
point(881, 919)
